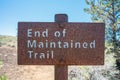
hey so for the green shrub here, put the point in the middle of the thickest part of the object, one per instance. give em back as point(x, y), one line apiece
point(1, 63)
point(3, 77)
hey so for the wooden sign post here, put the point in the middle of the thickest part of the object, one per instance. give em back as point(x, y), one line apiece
point(61, 71)
point(60, 43)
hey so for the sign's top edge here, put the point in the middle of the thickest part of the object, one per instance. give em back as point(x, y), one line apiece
point(68, 22)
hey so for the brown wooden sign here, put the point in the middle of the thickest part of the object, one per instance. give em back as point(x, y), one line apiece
point(50, 43)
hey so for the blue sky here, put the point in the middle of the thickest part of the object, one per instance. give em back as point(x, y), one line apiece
point(14, 11)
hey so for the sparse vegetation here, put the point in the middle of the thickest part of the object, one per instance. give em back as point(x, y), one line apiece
point(10, 41)
point(6, 41)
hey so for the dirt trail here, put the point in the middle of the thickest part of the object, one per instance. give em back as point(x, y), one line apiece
point(17, 72)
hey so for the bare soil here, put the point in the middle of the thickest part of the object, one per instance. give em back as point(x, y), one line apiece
point(13, 71)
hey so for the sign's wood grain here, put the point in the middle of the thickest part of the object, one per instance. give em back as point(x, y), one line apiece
point(61, 71)
point(60, 44)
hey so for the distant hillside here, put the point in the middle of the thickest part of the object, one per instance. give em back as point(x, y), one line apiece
point(10, 41)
